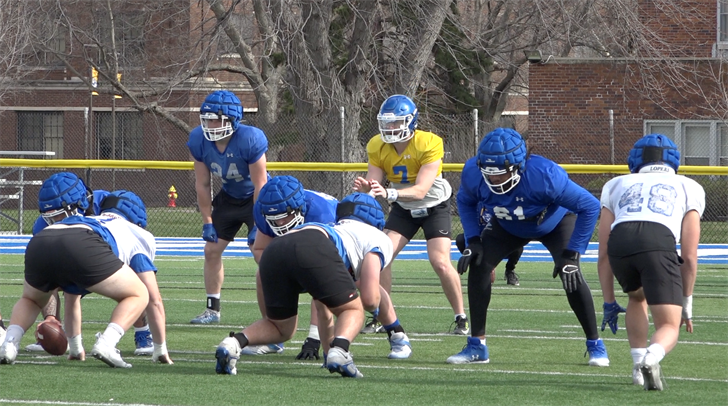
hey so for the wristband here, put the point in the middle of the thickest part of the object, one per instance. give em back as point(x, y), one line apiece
point(687, 312)
point(392, 195)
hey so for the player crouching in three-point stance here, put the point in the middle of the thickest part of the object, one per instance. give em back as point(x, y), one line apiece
point(79, 255)
point(644, 215)
point(319, 259)
point(282, 205)
point(531, 198)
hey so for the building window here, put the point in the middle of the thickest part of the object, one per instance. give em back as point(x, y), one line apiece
point(41, 131)
point(703, 143)
point(123, 141)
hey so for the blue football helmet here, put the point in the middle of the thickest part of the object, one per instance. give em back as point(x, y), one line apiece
point(126, 204)
point(62, 193)
point(280, 198)
point(397, 119)
point(220, 115)
point(652, 149)
point(502, 151)
point(361, 207)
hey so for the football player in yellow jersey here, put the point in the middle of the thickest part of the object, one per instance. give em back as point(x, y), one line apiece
point(411, 159)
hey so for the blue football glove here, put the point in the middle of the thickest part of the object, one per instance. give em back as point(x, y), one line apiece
point(611, 316)
point(208, 232)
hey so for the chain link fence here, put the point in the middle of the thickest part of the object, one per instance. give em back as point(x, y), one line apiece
point(136, 136)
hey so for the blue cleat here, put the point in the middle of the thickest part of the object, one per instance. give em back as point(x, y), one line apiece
point(473, 353)
point(597, 353)
point(207, 317)
point(144, 343)
point(227, 355)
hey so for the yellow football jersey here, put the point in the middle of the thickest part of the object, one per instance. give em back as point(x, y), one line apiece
point(402, 169)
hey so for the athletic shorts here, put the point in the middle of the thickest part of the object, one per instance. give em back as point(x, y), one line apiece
point(437, 223)
point(70, 258)
point(499, 243)
point(299, 262)
point(229, 214)
point(657, 271)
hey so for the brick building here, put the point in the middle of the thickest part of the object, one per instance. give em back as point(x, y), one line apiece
point(593, 110)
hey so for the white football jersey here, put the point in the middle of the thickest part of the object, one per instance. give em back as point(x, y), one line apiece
point(662, 198)
point(360, 239)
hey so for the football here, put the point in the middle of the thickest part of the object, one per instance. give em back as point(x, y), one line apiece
point(51, 337)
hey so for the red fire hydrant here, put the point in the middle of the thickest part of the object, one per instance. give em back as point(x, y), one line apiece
point(172, 194)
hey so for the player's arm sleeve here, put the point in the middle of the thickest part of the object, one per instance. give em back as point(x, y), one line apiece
point(257, 145)
point(142, 263)
point(433, 151)
point(586, 207)
point(39, 225)
point(696, 197)
point(194, 143)
point(467, 203)
point(373, 152)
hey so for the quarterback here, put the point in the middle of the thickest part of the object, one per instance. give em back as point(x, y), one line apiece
point(411, 160)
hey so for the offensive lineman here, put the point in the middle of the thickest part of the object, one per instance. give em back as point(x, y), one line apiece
point(644, 215)
point(321, 259)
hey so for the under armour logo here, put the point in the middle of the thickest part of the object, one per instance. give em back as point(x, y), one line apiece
point(407, 156)
point(229, 155)
point(519, 199)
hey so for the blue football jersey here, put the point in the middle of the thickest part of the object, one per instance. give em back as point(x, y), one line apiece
point(321, 209)
point(246, 146)
point(533, 208)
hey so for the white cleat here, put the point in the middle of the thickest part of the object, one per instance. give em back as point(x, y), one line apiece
point(227, 355)
point(108, 354)
point(400, 345)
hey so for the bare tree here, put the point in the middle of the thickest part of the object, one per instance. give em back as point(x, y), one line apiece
point(14, 43)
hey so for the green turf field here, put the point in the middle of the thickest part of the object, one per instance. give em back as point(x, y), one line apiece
point(536, 350)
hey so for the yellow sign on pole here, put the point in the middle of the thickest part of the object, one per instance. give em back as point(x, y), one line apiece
point(94, 80)
point(118, 78)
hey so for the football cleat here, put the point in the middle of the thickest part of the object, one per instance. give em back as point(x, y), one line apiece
point(144, 343)
point(8, 353)
point(597, 353)
point(400, 345)
point(372, 326)
point(342, 362)
point(227, 355)
point(108, 354)
point(512, 278)
point(262, 349)
point(207, 317)
point(651, 372)
point(35, 347)
point(462, 328)
point(474, 352)
point(637, 377)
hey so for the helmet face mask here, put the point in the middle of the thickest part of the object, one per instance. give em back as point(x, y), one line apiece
point(62, 194)
point(295, 218)
point(216, 127)
point(281, 198)
point(496, 182)
point(397, 119)
point(502, 152)
point(220, 115)
point(54, 216)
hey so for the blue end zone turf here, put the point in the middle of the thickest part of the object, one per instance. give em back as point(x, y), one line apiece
point(416, 249)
